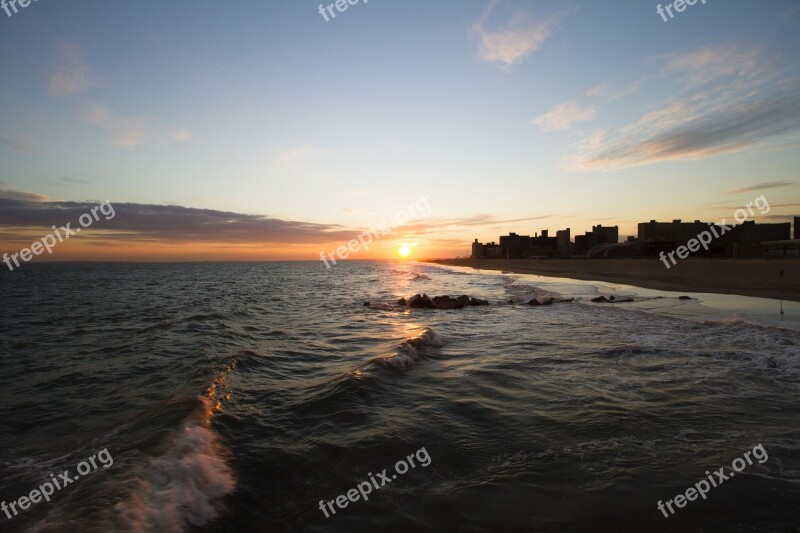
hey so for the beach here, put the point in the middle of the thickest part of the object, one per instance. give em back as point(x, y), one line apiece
point(746, 277)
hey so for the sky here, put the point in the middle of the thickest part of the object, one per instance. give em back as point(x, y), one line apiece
point(254, 130)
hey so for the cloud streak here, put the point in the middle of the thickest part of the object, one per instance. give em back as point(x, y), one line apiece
point(743, 109)
point(762, 186)
point(564, 116)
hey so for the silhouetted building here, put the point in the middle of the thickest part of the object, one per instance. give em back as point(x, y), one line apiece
point(675, 231)
point(485, 251)
point(565, 246)
point(581, 244)
point(606, 235)
point(477, 250)
point(797, 227)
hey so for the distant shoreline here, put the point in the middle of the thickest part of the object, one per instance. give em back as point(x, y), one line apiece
point(745, 277)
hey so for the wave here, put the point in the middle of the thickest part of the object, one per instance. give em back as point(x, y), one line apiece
point(520, 292)
point(412, 350)
point(181, 486)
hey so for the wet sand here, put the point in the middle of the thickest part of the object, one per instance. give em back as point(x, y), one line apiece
point(746, 277)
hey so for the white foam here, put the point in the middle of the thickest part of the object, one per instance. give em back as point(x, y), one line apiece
point(178, 487)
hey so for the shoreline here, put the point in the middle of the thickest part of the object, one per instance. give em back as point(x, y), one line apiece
point(743, 277)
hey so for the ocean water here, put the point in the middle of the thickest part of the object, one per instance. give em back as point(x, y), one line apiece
point(236, 397)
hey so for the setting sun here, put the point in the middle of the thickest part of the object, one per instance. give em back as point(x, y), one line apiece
point(404, 250)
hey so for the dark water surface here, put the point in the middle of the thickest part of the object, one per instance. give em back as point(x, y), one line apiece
point(235, 397)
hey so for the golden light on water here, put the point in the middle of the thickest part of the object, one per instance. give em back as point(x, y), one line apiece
point(404, 250)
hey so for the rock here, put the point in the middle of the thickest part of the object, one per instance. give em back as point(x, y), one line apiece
point(623, 301)
point(445, 302)
point(534, 302)
point(366, 304)
point(685, 298)
point(600, 300)
point(612, 298)
point(421, 302)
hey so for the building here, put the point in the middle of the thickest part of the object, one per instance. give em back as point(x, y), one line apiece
point(606, 235)
point(675, 231)
point(477, 250)
point(797, 227)
point(485, 251)
point(565, 246)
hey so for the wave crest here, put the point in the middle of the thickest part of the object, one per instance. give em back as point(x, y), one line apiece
point(413, 349)
point(180, 486)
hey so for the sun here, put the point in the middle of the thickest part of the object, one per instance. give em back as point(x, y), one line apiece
point(404, 250)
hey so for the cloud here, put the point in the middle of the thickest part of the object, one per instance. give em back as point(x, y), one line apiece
point(711, 63)
point(761, 186)
point(181, 134)
point(167, 223)
point(564, 115)
point(20, 143)
point(129, 131)
point(72, 75)
point(739, 111)
point(485, 221)
point(292, 158)
point(518, 38)
point(7, 193)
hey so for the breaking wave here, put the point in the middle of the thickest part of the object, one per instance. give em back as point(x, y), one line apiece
point(412, 350)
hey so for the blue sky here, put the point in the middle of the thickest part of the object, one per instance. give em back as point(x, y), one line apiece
point(549, 113)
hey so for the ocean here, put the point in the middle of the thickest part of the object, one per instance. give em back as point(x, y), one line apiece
point(251, 396)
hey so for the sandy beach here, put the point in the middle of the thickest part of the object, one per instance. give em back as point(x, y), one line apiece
point(746, 277)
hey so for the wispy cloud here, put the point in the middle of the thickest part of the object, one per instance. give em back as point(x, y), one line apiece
point(736, 110)
point(292, 158)
point(512, 42)
point(130, 131)
point(711, 63)
point(564, 115)
point(71, 75)
point(765, 185)
point(20, 143)
point(484, 220)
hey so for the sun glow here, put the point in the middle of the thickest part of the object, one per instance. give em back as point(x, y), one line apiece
point(404, 251)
